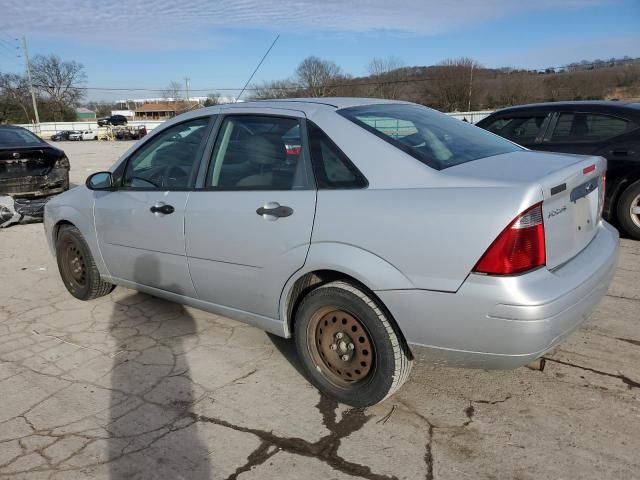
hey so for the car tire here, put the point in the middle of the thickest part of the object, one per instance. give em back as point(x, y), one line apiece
point(77, 266)
point(349, 346)
point(629, 202)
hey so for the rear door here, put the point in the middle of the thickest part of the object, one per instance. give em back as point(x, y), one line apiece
point(248, 227)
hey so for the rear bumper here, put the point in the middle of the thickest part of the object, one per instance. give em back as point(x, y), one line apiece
point(56, 181)
point(505, 322)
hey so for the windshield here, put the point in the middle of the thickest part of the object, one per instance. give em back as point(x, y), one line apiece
point(434, 138)
point(18, 137)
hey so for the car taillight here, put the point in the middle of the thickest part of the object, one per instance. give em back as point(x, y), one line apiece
point(519, 248)
point(603, 189)
point(61, 163)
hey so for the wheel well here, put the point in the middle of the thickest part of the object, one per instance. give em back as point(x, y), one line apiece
point(57, 227)
point(312, 280)
point(622, 185)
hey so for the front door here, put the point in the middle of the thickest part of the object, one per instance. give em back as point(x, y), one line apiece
point(249, 228)
point(140, 226)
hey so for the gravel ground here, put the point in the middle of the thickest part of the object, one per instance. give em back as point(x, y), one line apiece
point(133, 387)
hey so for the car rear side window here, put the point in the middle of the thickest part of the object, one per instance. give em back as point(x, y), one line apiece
point(434, 138)
point(520, 129)
point(332, 168)
point(258, 152)
point(588, 127)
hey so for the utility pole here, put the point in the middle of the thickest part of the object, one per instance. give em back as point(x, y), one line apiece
point(33, 95)
point(186, 84)
point(470, 84)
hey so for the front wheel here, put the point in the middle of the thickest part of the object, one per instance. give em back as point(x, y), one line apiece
point(628, 210)
point(77, 267)
point(348, 346)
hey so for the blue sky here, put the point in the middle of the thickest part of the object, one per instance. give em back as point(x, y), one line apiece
point(146, 44)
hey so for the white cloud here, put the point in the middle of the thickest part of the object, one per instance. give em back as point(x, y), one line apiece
point(182, 22)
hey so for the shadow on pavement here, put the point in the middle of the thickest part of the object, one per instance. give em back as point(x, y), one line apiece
point(151, 432)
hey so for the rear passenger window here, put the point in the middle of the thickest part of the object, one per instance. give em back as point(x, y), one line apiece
point(255, 152)
point(588, 127)
point(518, 129)
point(332, 168)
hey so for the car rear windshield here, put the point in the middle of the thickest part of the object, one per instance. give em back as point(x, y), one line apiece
point(436, 139)
point(18, 137)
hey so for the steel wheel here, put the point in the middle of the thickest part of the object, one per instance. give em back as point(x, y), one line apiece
point(348, 346)
point(340, 346)
point(77, 267)
point(634, 210)
point(74, 266)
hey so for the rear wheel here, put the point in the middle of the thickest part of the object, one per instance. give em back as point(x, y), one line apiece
point(348, 346)
point(77, 267)
point(628, 210)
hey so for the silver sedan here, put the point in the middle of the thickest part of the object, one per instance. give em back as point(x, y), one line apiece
point(365, 229)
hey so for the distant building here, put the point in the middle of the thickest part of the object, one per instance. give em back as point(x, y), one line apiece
point(163, 110)
point(84, 114)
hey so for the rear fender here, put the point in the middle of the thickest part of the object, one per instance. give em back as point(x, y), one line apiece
point(370, 270)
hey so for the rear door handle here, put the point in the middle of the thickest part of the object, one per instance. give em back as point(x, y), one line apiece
point(620, 152)
point(274, 210)
point(162, 208)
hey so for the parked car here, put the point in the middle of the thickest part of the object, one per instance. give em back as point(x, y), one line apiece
point(392, 230)
point(30, 171)
point(63, 135)
point(84, 135)
point(610, 129)
point(112, 120)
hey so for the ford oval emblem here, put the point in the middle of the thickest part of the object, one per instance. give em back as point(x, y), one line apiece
point(16, 155)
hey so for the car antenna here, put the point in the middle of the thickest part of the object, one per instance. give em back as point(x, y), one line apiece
point(256, 69)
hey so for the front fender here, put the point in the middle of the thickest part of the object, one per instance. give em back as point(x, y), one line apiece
point(367, 268)
point(76, 207)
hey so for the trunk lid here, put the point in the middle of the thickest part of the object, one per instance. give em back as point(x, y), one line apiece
point(21, 162)
point(571, 192)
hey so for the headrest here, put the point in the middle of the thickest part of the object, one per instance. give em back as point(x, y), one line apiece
point(265, 149)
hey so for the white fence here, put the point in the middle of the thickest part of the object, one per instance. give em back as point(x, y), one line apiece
point(49, 128)
point(472, 117)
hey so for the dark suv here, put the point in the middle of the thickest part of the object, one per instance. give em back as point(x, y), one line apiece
point(113, 120)
point(610, 129)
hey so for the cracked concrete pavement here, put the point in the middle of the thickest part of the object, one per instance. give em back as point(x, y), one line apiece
point(132, 387)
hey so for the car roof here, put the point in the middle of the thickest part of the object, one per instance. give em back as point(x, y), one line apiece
point(12, 127)
point(312, 103)
point(596, 105)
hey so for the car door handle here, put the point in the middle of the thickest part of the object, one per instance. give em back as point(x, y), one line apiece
point(273, 209)
point(162, 208)
point(620, 152)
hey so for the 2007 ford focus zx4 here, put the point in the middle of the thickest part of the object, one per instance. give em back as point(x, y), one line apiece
point(365, 229)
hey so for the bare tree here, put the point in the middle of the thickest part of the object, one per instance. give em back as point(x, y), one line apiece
point(59, 80)
point(213, 98)
point(318, 77)
point(388, 73)
point(14, 98)
point(452, 84)
point(275, 89)
point(172, 91)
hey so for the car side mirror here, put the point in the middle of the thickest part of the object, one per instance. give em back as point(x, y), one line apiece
point(100, 181)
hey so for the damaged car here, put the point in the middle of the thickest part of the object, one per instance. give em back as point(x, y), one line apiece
point(31, 171)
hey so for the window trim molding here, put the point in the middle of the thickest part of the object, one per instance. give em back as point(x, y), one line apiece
point(350, 165)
